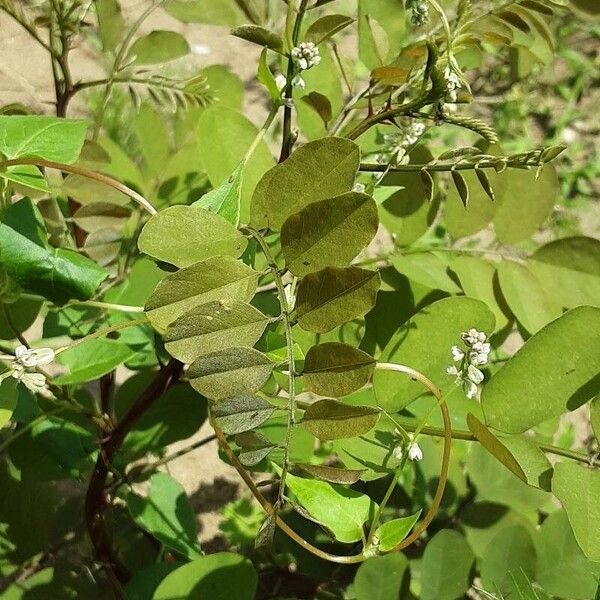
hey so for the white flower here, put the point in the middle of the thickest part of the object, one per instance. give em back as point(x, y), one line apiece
point(469, 388)
point(457, 353)
point(280, 81)
point(299, 82)
point(452, 370)
point(306, 56)
point(35, 382)
point(290, 297)
point(453, 83)
point(359, 187)
point(397, 452)
point(474, 374)
point(478, 358)
point(33, 358)
point(414, 450)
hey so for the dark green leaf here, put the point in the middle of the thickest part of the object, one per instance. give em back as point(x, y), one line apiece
point(318, 170)
point(326, 27)
point(214, 326)
point(217, 278)
point(321, 104)
point(101, 215)
point(331, 297)
point(235, 415)
point(335, 369)
point(381, 577)
point(229, 372)
point(333, 420)
point(329, 233)
point(461, 187)
point(332, 474)
point(259, 35)
point(253, 447)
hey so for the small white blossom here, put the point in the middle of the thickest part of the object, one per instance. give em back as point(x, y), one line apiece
point(474, 374)
point(306, 56)
point(280, 81)
point(469, 388)
point(457, 353)
point(298, 82)
point(34, 358)
point(414, 450)
point(398, 452)
point(359, 187)
point(25, 359)
point(290, 297)
point(452, 370)
point(453, 83)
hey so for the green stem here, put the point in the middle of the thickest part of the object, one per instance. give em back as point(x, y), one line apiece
point(445, 167)
point(92, 303)
point(285, 313)
point(261, 133)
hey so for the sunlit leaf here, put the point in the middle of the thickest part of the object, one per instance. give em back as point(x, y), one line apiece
point(391, 533)
point(158, 47)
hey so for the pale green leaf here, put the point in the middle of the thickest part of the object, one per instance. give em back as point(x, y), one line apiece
point(158, 47)
point(427, 269)
point(225, 200)
point(391, 533)
point(332, 474)
point(111, 23)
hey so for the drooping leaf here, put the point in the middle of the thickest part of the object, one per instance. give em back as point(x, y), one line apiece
point(391, 533)
point(242, 413)
point(343, 511)
point(158, 47)
point(329, 233)
point(110, 23)
point(183, 235)
point(220, 576)
point(50, 138)
point(332, 474)
point(331, 297)
point(442, 321)
point(578, 488)
point(101, 215)
point(253, 447)
point(318, 170)
point(556, 371)
point(326, 27)
point(231, 372)
point(259, 35)
point(92, 359)
point(225, 200)
point(447, 561)
point(333, 420)
point(335, 369)
point(166, 514)
point(320, 104)
point(216, 325)
point(216, 278)
point(57, 274)
point(381, 577)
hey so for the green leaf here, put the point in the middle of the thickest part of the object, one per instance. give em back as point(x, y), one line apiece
point(316, 171)
point(56, 274)
point(562, 568)
point(221, 576)
point(477, 279)
point(158, 47)
point(111, 23)
point(342, 510)
point(154, 139)
point(427, 269)
point(331, 297)
point(442, 321)
point(50, 138)
point(242, 413)
point(87, 191)
point(166, 514)
point(335, 369)
point(518, 454)
point(320, 104)
point(216, 325)
point(231, 372)
point(259, 35)
point(27, 175)
point(569, 270)
point(225, 200)
point(101, 215)
point(516, 220)
point(333, 420)
point(144, 581)
point(329, 233)
point(217, 278)
point(224, 85)
point(381, 577)
point(391, 533)
point(325, 27)
point(332, 474)
point(224, 138)
point(447, 561)
point(8, 399)
point(253, 447)
point(528, 299)
point(556, 371)
point(92, 359)
point(578, 489)
point(183, 235)
point(405, 209)
point(266, 77)
point(510, 552)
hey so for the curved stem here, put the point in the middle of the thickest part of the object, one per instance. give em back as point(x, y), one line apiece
point(77, 170)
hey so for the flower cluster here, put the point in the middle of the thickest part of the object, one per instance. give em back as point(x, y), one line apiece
point(419, 12)
point(453, 83)
point(306, 56)
point(413, 449)
point(398, 145)
point(476, 355)
point(21, 364)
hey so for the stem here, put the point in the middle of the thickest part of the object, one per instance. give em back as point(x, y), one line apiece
point(459, 166)
point(288, 138)
point(18, 335)
point(77, 170)
point(103, 332)
point(92, 303)
point(28, 27)
point(285, 313)
point(261, 133)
